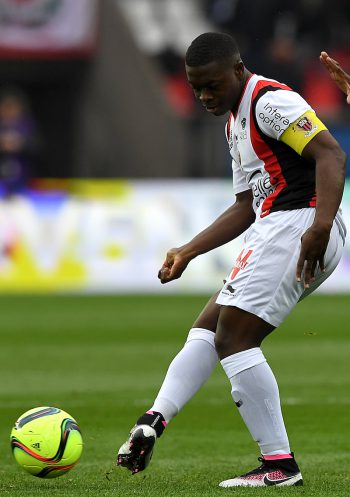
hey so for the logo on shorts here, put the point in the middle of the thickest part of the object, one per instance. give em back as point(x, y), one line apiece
point(240, 263)
point(230, 289)
point(243, 122)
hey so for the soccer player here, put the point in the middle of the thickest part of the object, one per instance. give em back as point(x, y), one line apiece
point(288, 174)
point(337, 73)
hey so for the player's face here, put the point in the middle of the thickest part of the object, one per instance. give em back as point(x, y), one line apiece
point(218, 86)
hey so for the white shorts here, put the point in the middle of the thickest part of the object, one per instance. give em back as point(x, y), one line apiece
point(263, 280)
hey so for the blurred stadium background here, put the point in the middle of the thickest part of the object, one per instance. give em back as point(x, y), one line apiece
point(106, 160)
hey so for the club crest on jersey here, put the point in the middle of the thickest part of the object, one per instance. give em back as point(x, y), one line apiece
point(305, 124)
point(243, 135)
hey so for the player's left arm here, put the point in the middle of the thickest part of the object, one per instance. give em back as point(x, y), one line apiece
point(309, 137)
point(330, 177)
point(229, 225)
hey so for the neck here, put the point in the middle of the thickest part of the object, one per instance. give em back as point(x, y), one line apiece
point(245, 76)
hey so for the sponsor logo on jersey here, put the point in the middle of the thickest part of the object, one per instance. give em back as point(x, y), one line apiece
point(230, 140)
point(243, 135)
point(273, 118)
point(261, 186)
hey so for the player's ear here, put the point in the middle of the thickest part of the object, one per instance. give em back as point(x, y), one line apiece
point(239, 68)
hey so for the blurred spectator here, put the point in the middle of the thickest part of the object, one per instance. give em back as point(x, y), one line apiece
point(164, 29)
point(177, 91)
point(252, 23)
point(322, 93)
point(283, 40)
point(19, 144)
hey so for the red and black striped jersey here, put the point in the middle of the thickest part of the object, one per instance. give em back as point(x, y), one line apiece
point(278, 176)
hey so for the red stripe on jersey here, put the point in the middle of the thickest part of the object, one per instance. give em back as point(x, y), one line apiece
point(228, 126)
point(242, 95)
point(312, 202)
point(264, 152)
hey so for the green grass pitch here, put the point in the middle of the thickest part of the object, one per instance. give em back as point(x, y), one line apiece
point(103, 358)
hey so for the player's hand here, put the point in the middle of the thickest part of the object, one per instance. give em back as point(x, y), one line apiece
point(337, 73)
point(313, 247)
point(174, 265)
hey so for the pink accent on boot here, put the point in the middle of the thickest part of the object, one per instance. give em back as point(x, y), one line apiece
point(276, 457)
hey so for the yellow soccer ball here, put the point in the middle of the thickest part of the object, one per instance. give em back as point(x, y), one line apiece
point(46, 442)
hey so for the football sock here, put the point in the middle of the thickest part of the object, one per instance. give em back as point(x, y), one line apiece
point(154, 419)
point(255, 392)
point(188, 371)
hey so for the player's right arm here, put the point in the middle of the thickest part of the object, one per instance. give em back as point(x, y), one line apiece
point(337, 73)
point(232, 223)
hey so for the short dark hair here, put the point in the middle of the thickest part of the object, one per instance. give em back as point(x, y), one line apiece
point(210, 47)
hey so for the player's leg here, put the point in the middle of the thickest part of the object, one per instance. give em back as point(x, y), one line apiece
point(255, 393)
point(192, 366)
point(188, 371)
point(259, 296)
point(254, 302)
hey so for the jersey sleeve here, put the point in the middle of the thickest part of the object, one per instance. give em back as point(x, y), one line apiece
point(239, 179)
point(302, 131)
point(276, 110)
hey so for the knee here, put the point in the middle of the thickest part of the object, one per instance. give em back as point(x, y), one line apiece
point(232, 341)
point(227, 336)
point(223, 343)
point(238, 331)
